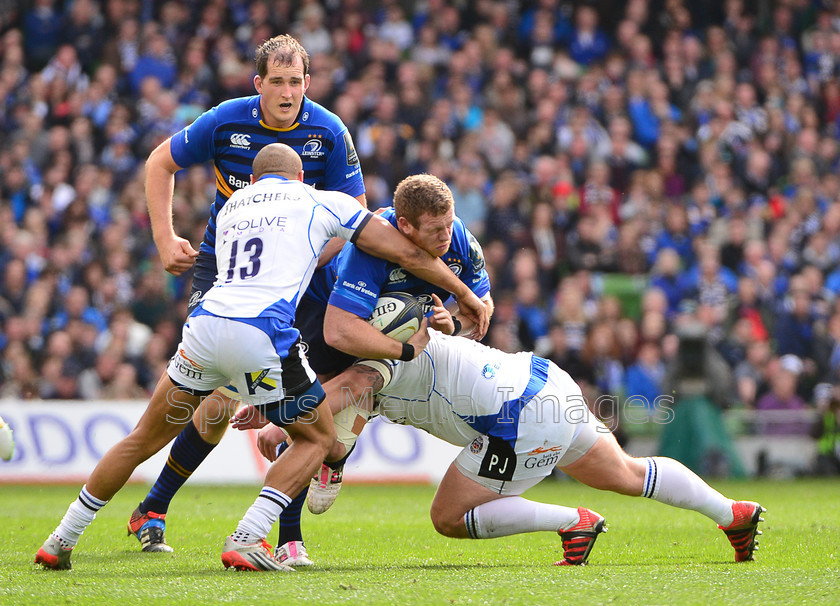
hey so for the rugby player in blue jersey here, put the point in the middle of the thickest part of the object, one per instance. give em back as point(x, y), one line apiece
point(332, 316)
point(231, 135)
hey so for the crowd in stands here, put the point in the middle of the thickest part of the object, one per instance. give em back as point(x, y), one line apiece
point(688, 147)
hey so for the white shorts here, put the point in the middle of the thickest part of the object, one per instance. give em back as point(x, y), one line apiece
point(261, 358)
point(555, 429)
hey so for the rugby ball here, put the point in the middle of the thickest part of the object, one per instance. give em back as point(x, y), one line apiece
point(7, 441)
point(398, 315)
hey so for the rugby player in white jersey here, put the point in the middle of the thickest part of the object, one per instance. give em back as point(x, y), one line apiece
point(518, 417)
point(269, 237)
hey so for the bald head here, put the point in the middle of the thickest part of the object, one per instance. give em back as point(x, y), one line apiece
point(277, 159)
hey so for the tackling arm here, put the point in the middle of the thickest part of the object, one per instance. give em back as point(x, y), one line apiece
point(351, 397)
point(467, 325)
point(334, 246)
point(176, 253)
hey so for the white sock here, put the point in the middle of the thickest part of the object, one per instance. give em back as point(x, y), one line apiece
point(79, 515)
point(515, 515)
point(670, 482)
point(261, 516)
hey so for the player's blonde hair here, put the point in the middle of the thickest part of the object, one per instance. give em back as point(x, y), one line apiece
point(282, 49)
point(419, 194)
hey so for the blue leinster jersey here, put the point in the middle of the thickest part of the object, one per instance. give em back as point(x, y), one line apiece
point(361, 278)
point(233, 132)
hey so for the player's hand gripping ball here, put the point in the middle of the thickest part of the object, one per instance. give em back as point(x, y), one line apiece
point(398, 315)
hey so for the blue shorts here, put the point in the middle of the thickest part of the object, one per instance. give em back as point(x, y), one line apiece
point(204, 274)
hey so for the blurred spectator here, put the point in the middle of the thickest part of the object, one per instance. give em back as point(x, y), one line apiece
point(20, 380)
point(784, 374)
point(567, 359)
point(124, 335)
point(675, 235)
point(601, 353)
point(534, 317)
point(157, 60)
point(751, 373)
point(310, 30)
point(733, 346)
point(77, 306)
point(123, 385)
point(41, 29)
point(588, 43)
point(83, 29)
point(665, 275)
point(92, 380)
point(548, 244)
point(794, 329)
point(645, 379)
point(504, 219)
point(468, 192)
point(570, 313)
point(710, 284)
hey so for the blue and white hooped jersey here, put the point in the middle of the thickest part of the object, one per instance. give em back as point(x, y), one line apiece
point(232, 133)
point(361, 278)
point(270, 235)
point(458, 388)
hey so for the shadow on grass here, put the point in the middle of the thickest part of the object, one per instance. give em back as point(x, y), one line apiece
point(115, 565)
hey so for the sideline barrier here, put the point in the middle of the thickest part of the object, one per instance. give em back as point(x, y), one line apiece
point(61, 441)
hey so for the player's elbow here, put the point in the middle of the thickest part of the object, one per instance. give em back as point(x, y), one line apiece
point(332, 335)
point(160, 160)
point(336, 334)
point(489, 304)
point(413, 257)
point(155, 159)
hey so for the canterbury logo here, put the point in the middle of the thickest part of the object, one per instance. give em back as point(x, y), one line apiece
point(240, 140)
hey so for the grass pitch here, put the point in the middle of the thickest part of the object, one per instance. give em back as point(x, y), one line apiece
point(377, 546)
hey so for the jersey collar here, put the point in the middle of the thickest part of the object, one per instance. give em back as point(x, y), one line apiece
point(304, 114)
point(272, 176)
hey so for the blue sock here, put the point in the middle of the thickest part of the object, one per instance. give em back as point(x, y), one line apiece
point(289, 522)
point(187, 453)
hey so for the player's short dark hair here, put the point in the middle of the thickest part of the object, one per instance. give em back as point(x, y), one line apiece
point(419, 194)
point(282, 49)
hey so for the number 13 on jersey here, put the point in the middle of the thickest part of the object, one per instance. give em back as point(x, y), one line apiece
point(248, 261)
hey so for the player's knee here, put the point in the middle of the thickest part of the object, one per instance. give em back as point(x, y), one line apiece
point(325, 439)
point(635, 475)
point(213, 413)
point(626, 478)
point(445, 523)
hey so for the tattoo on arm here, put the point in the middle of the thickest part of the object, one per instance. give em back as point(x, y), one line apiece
point(373, 379)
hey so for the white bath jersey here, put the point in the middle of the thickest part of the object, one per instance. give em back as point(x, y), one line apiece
point(517, 415)
point(454, 383)
point(268, 238)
